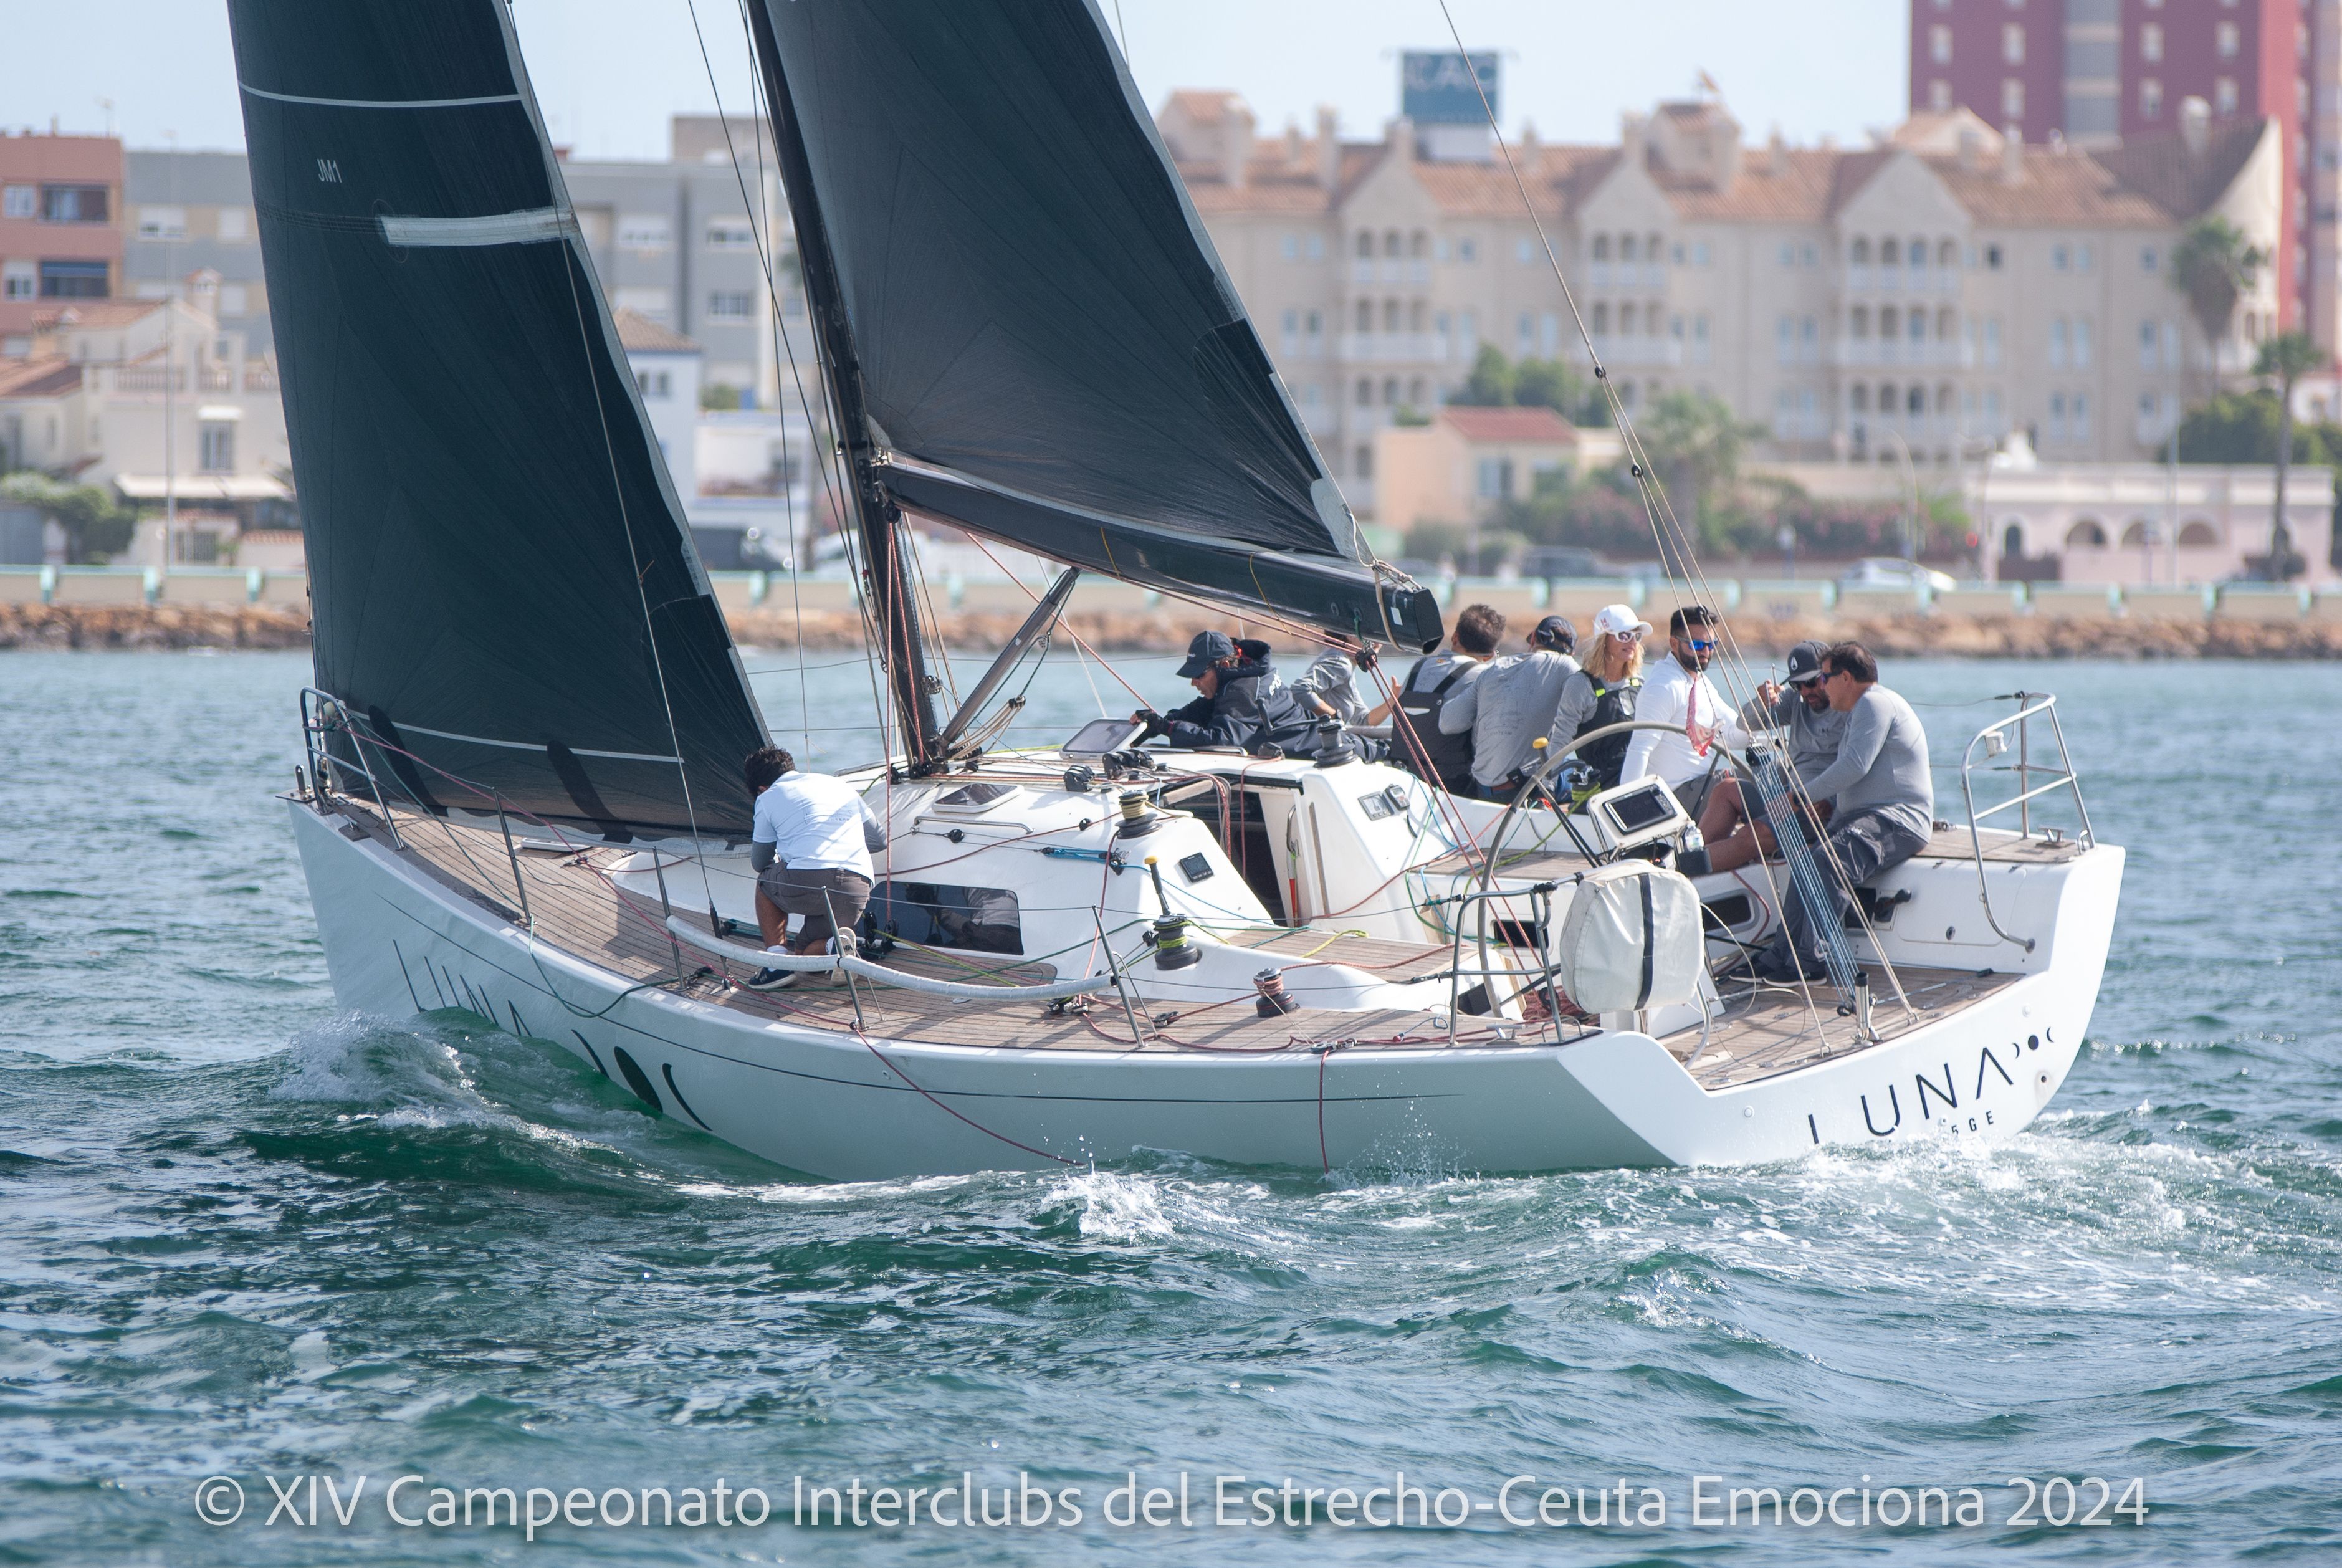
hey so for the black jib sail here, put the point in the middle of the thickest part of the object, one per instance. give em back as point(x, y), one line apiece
point(501, 580)
point(1048, 348)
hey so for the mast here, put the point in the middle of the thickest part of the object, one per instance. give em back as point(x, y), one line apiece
point(892, 595)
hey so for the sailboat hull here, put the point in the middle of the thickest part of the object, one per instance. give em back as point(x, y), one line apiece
point(838, 1105)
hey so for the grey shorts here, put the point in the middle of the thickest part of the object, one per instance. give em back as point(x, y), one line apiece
point(1692, 794)
point(822, 895)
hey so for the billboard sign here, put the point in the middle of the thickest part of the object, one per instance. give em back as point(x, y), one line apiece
point(1444, 89)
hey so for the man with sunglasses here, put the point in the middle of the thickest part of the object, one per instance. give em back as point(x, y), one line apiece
point(1877, 798)
point(1811, 730)
point(1677, 695)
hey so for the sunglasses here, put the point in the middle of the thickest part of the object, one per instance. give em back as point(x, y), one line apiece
point(1699, 646)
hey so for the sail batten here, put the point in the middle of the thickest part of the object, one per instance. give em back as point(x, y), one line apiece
point(502, 581)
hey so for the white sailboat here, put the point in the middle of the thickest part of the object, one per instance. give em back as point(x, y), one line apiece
point(529, 805)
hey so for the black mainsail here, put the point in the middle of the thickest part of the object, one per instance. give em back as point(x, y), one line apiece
point(500, 579)
point(1041, 336)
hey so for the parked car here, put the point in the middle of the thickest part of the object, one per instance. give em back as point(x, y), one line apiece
point(1561, 560)
point(1894, 571)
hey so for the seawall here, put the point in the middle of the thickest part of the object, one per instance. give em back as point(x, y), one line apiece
point(1165, 629)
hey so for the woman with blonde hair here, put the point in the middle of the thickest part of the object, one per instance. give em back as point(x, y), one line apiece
point(1603, 691)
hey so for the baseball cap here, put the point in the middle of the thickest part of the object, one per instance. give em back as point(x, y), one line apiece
point(1804, 663)
point(1207, 649)
point(1618, 620)
point(1555, 632)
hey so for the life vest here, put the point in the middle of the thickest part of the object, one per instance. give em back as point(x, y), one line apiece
point(1415, 740)
point(1612, 706)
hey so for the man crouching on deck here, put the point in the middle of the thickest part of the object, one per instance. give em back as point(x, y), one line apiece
point(1877, 798)
point(811, 847)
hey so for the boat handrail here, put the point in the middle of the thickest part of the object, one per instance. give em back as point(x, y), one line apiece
point(853, 964)
point(2062, 777)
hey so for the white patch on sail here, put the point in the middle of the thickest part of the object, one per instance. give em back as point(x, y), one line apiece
point(530, 227)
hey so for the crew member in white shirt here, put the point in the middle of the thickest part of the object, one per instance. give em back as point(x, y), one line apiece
point(811, 848)
point(1678, 694)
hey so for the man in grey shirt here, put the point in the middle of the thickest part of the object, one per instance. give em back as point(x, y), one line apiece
point(1877, 797)
point(1510, 705)
point(1800, 708)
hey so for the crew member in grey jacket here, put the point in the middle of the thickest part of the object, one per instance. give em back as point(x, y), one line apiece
point(1510, 705)
point(1800, 708)
point(1877, 797)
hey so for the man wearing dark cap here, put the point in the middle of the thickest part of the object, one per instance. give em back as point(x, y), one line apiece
point(1239, 702)
point(1811, 729)
point(1510, 706)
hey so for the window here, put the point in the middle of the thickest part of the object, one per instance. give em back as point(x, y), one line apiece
point(162, 223)
point(2224, 95)
point(1699, 340)
point(644, 232)
point(73, 203)
point(2088, 534)
point(1939, 96)
point(1992, 259)
point(2150, 99)
point(1809, 257)
point(1858, 253)
point(216, 451)
point(73, 280)
point(1365, 246)
point(2148, 259)
point(654, 382)
point(731, 304)
point(1495, 478)
point(1467, 250)
point(1525, 328)
point(2057, 344)
point(2225, 40)
point(1939, 44)
point(731, 235)
point(1549, 330)
point(234, 225)
point(1788, 253)
point(977, 919)
point(1363, 318)
point(1390, 316)
point(1947, 256)
point(1916, 401)
point(1785, 340)
point(1601, 248)
point(1601, 320)
point(1525, 253)
point(2197, 534)
point(2081, 342)
point(2146, 335)
point(2150, 42)
point(2059, 258)
point(1917, 253)
point(19, 202)
point(1365, 465)
point(1992, 341)
point(2012, 42)
point(1699, 254)
point(1363, 395)
point(1626, 248)
point(1857, 398)
point(2086, 257)
point(1889, 254)
point(19, 280)
point(1858, 323)
point(1291, 246)
point(2057, 437)
point(1316, 325)
point(1915, 325)
point(2012, 98)
point(1316, 249)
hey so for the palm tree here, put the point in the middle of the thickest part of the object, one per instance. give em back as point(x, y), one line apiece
point(2285, 359)
point(2213, 264)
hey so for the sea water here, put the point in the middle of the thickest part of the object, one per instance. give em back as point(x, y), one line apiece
point(253, 1247)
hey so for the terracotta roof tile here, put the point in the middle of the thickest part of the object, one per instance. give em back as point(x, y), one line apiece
point(94, 313)
point(1509, 424)
point(639, 334)
point(43, 377)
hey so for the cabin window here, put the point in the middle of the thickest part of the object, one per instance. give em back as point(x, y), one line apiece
point(941, 915)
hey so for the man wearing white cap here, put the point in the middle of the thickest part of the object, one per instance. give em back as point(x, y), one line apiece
point(1603, 692)
point(1677, 695)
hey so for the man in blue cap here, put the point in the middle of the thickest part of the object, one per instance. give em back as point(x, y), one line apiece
point(1239, 702)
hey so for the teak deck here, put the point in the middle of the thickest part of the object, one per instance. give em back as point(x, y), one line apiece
point(573, 906)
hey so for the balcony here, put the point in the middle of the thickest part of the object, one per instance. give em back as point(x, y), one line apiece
point(1864, 353)
point(1391, 348)
point(1638, 351)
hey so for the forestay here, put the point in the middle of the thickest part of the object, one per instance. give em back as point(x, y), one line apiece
point(1050, 349)
point(502, 581)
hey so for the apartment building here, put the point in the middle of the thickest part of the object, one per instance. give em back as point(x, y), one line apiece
point(677, 244)
point(2094, 72)
point(1923, 295)
point(59, 199)
point(192, 211)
